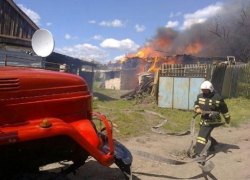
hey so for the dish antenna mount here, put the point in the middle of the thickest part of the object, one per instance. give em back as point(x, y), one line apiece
point(42, 43)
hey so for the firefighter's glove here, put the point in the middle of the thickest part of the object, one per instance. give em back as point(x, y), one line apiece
point(198, 110)
point(227, 120)
point(214, 115)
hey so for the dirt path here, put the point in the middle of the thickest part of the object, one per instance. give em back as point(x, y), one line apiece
point(231, 158)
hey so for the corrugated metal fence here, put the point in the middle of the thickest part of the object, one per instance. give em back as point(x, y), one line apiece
point(180, 84)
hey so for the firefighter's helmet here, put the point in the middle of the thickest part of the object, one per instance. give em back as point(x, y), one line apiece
point(207, 85)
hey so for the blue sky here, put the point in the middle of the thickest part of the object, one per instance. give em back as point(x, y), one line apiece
point(107, 30)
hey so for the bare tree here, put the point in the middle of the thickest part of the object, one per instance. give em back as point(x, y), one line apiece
point(233, 37)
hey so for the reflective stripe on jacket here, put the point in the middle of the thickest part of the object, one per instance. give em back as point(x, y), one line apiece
point(211, 102)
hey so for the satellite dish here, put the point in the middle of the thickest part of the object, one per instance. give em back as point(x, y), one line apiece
point(42, 42)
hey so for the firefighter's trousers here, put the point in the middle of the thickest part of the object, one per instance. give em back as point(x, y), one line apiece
point(203, 136)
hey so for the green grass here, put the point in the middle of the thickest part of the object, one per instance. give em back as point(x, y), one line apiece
point(239, 109)
point(132, 120)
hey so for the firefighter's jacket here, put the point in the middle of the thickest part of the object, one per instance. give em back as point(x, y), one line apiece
point(211, 102)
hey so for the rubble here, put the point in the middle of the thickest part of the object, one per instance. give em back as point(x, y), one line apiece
point(146, 85)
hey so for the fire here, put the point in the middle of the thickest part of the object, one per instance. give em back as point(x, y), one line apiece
point(151, 57)
point(153, 67)
point(123, 60)
point(143, 53)
point(194, 48)
point(163, 43)
point(158, 61)
point(140, 54)
point(130, 55)
point(148, 52)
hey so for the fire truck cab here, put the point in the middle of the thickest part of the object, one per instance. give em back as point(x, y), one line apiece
point(46, 117)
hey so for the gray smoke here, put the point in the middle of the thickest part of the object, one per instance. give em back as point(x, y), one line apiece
point(227, 33)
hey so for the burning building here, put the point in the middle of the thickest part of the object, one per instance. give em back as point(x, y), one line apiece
point(128, 75)
point(203, 43)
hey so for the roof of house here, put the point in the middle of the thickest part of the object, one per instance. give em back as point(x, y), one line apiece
point(60, 58)
point(31, 23)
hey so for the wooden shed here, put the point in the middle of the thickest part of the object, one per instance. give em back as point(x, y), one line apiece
point(16, 28)
point(16, 31)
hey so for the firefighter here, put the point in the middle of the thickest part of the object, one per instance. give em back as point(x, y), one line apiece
point(210, 105)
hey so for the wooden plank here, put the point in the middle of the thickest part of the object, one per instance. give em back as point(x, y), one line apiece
point(15, 16)
point(227, 82)
point(1, 15)
point(17, 26)
point(4, 19)
point(21, 29)
point(233, 91)
point(8, 20)
point(218, 78)
point(14, 38)
point(12, 23)
point(208, 73)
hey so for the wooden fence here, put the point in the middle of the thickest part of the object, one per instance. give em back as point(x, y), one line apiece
point(184, 70)
point(226, 79)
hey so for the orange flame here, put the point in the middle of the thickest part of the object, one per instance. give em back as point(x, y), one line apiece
point(158, 61)
point(153, 67)
point(194, 48)
point(149, 54)
point(123, 59)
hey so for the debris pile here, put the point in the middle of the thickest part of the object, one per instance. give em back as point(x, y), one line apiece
point(145, 86)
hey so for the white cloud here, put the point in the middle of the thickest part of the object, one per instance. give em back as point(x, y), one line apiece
point(172, 24)
point(175, 14)
point(84, 51)
point(124, 45)
point(48, 24)
point(97, 37)
point(92, 21)
point(140, 28)
point(114, 23)
point(201, 15)
point(68, 36)
point(117, 58)
point(31, 14)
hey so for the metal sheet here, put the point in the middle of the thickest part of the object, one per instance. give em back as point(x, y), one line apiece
point(194, 90)
point(178, 93)
point(181, 91)
point(165, 95)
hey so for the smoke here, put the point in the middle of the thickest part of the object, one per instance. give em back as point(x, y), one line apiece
point(227, 32)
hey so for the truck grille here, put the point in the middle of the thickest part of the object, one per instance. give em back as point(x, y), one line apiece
point(9, 84)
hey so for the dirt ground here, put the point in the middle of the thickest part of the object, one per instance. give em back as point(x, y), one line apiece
point(231, 158)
